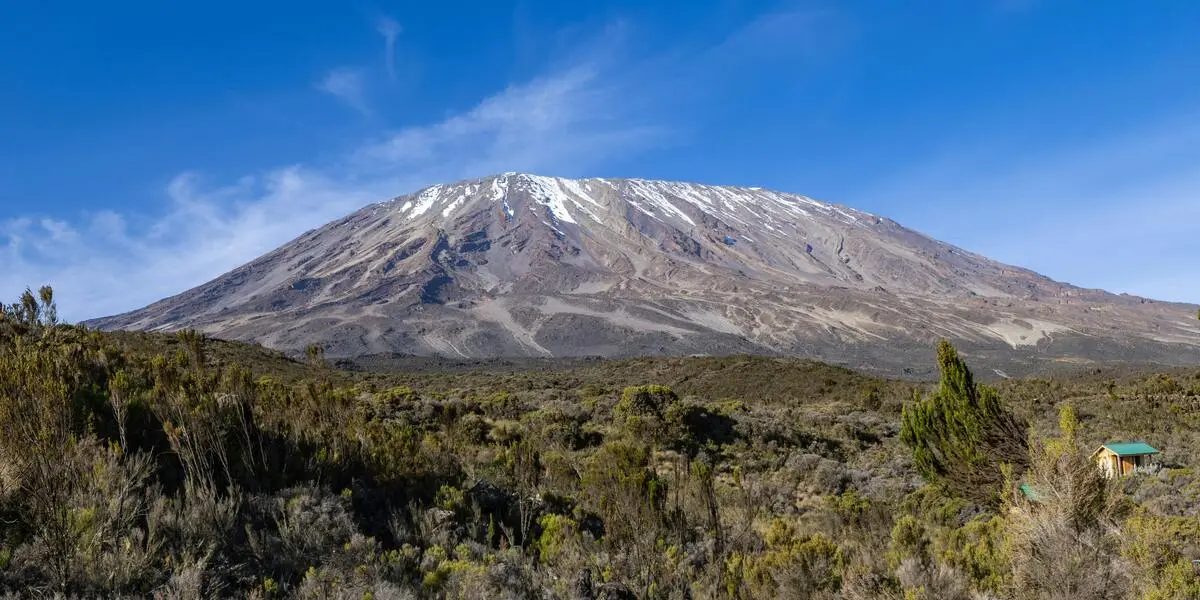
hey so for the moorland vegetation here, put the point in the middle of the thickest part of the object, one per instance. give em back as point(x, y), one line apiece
point(176, 466)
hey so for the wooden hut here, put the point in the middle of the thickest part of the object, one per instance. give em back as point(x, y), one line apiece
point(1118, 459)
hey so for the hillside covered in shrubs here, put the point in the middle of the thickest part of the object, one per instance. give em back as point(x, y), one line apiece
point(142, 465)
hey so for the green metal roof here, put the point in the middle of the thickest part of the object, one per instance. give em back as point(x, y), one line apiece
point(1030, 493)
point(1130, 448)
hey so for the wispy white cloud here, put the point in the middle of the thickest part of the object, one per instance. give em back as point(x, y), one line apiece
point(562, 124)
point(348, 85)
point(390, 29)
point(107, 262)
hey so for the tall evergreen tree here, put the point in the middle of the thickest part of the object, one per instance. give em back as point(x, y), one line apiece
point(962, 434)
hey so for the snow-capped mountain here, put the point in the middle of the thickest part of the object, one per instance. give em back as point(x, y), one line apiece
point(524, 265)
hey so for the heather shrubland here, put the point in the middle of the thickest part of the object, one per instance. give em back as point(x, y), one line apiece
point(142, 465)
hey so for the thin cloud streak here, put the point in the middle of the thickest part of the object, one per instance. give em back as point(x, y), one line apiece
point(348, 86)
point(390, 29)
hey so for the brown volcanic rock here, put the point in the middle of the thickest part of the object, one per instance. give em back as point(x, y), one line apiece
point(522, 265)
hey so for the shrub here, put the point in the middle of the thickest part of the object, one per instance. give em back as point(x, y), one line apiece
point(644, 401)
point(558, 532)
point(794, 565)
point(307, 525)
point(1066, 544)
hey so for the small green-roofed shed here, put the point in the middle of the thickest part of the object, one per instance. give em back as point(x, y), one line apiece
point(1117, 459)
point(1130, 448)
point(1030, 493)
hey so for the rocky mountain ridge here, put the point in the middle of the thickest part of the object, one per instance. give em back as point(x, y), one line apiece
point(519, 265)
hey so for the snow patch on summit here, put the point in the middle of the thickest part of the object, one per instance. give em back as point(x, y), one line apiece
point(546, 192)
point(500, 193)
point(462, 197)
point(425, 200)
point(659, 201)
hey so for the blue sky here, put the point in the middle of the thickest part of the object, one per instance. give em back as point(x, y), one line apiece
point(146, 147)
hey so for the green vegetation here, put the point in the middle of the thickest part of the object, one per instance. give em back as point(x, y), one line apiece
point(143, 465)
point(962, 436)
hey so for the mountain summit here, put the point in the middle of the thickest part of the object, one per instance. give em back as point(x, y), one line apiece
point(530, 266)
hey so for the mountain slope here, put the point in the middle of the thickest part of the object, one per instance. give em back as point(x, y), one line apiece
point(523, 265)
